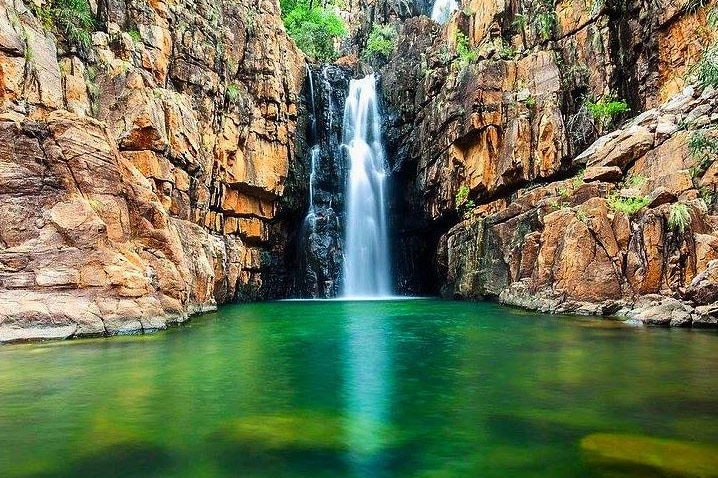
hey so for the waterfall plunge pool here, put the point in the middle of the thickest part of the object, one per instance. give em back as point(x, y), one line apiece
point(401, 388)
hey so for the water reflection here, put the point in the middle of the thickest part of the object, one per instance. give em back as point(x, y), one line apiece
point(402, 389)
point(367, 388)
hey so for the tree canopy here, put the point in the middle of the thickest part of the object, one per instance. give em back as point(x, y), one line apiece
point(315, 26)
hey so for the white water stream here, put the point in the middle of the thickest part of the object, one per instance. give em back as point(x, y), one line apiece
point(367, 270)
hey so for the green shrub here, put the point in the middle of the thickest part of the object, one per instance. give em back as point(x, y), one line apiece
point(635, 180)
point(466, 54)
point(314, 27)
point(135, 35)
point(232, 92)
point(606, 110)
point(73, 18)
point(706, 70)
point(545, 24)
point(381, 42)
point(627, 205)
point(703, 148)
point(464, 205)
point(679, 218)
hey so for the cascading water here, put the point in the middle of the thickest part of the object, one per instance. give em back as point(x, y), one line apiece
point(367, 271)
point(443, 9)
point(318, 271)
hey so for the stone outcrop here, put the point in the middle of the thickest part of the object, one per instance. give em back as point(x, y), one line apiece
point(570, 247)
point(140, 177)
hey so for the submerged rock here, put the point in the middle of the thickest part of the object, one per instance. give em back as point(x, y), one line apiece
point(662, 455)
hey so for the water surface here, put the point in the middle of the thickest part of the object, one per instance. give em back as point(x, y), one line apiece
point(408, 389)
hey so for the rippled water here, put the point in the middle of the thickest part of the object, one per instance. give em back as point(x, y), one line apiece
point(420, 388)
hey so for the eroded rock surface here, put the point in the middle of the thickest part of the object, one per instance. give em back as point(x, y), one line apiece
point(493, 105)
point(139, 179)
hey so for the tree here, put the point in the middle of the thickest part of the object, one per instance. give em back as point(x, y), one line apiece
point(314, 25)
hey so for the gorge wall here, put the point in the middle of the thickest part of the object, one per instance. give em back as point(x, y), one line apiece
point(141, 169)
point(501, 116)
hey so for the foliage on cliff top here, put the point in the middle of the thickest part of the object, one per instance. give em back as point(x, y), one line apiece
point(74, 18)
point(381, 42)
point(315, 27)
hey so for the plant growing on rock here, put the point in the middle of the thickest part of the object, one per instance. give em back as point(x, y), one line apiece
point(703, 148)
point(73, 18)
point(545, 20)
point(606, 111)
point(679, 218)
point(381, 43)
point(466, 54)
point(316, 28)
point(232, 93)
point(135, 35)
point(635, 181)
point(705, 71)
point(630, 205)
point(464, 205)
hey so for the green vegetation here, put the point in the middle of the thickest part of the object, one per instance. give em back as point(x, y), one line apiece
point(703, 148)
point(464, 205)
point(606, 110)
point(232, 92)
point(507, 52)
point(135, 35)
point(73, 18)
point(635, 181)
point(466, 54)
point(578, 179)
point(316, 28)
point(667, 457)
point(627, 205)
point(706, 70)
point(679, 218)
point(381, 43)
point(545, 24)
point(581, 215)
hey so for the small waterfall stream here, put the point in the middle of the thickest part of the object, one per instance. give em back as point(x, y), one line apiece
point(443, 9)
point(367, 270)
point(320, 240)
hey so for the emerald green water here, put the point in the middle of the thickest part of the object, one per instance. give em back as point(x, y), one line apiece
point(414, 388)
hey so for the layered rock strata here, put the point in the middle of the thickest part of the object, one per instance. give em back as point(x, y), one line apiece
point(493, 105)
point(140, 175)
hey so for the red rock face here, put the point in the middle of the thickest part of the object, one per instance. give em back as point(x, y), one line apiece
point(137, 181)
point(570, 247)
point(509, 125)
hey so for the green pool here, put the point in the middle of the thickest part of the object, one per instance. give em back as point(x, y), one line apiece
point(407, 388)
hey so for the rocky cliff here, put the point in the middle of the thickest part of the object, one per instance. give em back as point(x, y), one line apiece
point(141, 162)
point(155, 159)
point(491, 112)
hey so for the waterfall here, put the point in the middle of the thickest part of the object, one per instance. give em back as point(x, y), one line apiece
point(443, 9)
point(319, 261)
point(313, 152)
point(366, 259)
